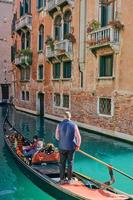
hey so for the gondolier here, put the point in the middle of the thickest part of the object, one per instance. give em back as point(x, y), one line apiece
point(68, 135)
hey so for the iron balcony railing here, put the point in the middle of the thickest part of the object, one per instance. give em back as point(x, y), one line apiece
point(24, 21)
point(104, 36)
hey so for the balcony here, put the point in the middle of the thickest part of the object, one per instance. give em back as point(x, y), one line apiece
point(62, 49)
point(24, 22)
point(49, 52)
point(54, 4)
point(23, 61)
point(23, 58)
point(105, 36)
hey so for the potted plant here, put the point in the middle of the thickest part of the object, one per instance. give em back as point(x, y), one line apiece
point(25, 55)
point(93, 25)
point(116, 24)
point(49, 41)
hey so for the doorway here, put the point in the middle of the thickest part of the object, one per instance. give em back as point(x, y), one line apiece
point(5, 92)
point(41, 103)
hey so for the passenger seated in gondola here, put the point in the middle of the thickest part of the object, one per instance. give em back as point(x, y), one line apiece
point(49, 149)
point(12, 137)
point(48, 154)
point(20, 141)
point(28, 151)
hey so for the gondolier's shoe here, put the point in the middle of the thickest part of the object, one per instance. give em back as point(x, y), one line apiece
point(72, 181)
point(62, 182)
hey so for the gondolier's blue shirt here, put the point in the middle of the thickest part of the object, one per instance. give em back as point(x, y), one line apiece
point(66, 131)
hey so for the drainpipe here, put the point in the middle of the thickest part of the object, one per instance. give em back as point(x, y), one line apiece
point(82, 39)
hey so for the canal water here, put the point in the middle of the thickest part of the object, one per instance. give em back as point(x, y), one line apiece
point(15, 186)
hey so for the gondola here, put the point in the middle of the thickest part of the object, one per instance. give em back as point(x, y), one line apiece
point(46, 176)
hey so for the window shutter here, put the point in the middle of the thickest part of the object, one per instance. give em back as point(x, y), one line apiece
point(26, 6)
point(21, 9)
point(66, 28)
point(67, 70)
point(102, 65)
point(103, 16)
point(12, 53)
point(40, 72)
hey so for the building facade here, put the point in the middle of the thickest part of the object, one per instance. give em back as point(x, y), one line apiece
point(6, 74)
point(75, 55)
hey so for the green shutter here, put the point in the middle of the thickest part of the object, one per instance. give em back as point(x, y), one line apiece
point(56, 71)
point(40, 72)
point(101, 66)
point(103, 15)
point(66, 28)
point(26, 6)
point(67, 70)
point(21, 9)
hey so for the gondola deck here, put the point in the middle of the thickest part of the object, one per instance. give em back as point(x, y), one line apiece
point(46, 176)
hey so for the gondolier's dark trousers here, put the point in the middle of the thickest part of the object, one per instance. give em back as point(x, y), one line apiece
point(66, 156)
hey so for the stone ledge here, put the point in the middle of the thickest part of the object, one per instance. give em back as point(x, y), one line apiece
point(114, 134)
point(26, 110)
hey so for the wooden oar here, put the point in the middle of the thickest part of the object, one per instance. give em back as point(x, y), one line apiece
point(107, 165)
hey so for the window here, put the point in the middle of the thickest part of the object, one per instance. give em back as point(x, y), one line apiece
point(56, 70)
point(57, 101)
point(25, 74)
point(40, 72)
point(23, 95)
point(25, 7)
point(67, 23)
point(41, 38)
point(57, 28)
point(41, 4)
point(106, 66)
point(23, 41)
point(65, 101)
point(28, 39)
point(27, 96)
point(107, 14)
point(21, 9)
point(13, 52)
point(67, 69)
point(105, 106)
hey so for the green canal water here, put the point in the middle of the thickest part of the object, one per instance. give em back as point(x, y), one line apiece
point(15, 186)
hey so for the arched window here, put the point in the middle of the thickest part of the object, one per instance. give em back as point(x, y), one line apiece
point(57, 28)
point(23, 41)
point(41, 38)
point(28, 39)
point(67, 22)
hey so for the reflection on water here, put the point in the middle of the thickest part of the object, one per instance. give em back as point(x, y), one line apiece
point(14, 185)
